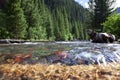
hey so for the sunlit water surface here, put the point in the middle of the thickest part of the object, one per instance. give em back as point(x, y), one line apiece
point(78, 52)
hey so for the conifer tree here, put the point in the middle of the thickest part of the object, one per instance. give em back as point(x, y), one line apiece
point(3, 30)
point(16, 23)
point(31, 18)
point(68, 34)
point(44, 19)
point(101, 10)
point(50, 28)
point(61, 25)
point(47, 21)
point(75, 31)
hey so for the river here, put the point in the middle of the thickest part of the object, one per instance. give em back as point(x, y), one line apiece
point(77, 52)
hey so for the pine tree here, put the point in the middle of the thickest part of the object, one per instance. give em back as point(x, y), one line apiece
point(61, 25)
point(43, 19)
point(101, 10)
point(35, 30)
point(68, 34)
point(75, 31)
point(16, 23)
point(50, 28)
point(66, 13)
point(90, 14)
point(47, 21)
point(3, 29)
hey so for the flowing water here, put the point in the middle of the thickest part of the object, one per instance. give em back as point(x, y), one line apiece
point(78, 52)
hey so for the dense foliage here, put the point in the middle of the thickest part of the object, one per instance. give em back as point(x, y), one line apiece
point(100, 10)
point(42, 19)
point(15, 20)
point(112, 24)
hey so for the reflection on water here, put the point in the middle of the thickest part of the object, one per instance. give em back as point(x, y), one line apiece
point(87, 52)
point(46, 48)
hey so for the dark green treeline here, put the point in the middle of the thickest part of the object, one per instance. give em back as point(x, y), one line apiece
point(100, 10)
point(42, 20)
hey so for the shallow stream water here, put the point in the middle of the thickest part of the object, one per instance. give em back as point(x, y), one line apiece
point(78, 52)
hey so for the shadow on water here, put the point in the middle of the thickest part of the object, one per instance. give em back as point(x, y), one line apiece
point(70, 53)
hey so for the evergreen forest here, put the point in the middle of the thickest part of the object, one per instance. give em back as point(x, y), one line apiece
point(42, 20)
point(49, 20)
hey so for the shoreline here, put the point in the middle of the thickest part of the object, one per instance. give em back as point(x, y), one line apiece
point(12, 41)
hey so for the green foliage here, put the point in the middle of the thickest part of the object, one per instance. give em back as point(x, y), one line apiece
point(3, 31)
point(46, 19)
point(34, 33)
point(63, 25)
point(33, 19)
point(66, 14)
point(100, 10)
point(43, 20)
point(16, 23)
point(112, 24)
point(75, 31)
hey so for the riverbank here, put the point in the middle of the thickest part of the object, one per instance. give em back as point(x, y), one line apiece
point(9, 41)
point(58, 72)
point(16, 41)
